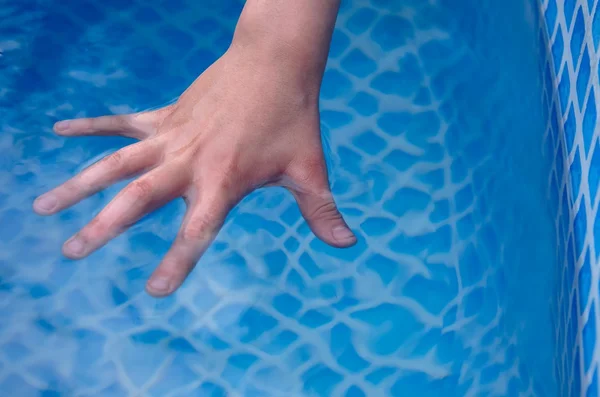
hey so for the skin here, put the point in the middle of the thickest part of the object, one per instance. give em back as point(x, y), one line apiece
point(250, 120)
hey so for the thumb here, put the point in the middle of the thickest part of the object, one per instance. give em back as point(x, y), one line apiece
point(320, 211)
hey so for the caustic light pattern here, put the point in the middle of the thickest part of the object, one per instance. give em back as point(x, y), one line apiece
point(456, 190)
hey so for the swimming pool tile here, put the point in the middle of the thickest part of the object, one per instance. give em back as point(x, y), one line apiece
point(433, 295)
point(564, 89)
point(577, 36)
point(551, 15)
point(361, 20)
point(320, 380)
point(358, 63)
point(369, 142)
point(580, 130)
point(355, 391)
point(339, 43)
point(589, 121)
point(583, 76)
point(229, 302)
point(402, 84)
point(596, 28)
point(592, 390)
point(594, 171)
point(569, 9)
point(335, 85)
point(209, 389)
point(392, 31)
point(364, 104)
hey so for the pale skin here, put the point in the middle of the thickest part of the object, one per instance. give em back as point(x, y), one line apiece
point(250, 120)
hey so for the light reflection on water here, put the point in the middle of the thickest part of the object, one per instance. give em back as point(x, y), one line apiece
point(446, 290)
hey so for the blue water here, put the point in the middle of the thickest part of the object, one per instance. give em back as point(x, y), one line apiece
point(435, 118)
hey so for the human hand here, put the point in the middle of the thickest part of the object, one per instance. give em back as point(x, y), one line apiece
point(248, 121)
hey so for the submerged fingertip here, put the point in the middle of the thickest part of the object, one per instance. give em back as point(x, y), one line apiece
point(74, 248)
point(62, 126)
point(159, 286)
point(343, 236)
point(45, 204)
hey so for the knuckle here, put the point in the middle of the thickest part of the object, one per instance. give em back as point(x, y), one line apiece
point(215, 209)
point(199, 229)
point(96, 229)
point(113, 122)
point(230, 170)
point(115, 160)
point(309, 171)
point(81, 184)
point(157, 116)
point(140, 118)
point(225, 183)
point(325, 210)
point(140, 189)
point(148, 121)
point(85, 125)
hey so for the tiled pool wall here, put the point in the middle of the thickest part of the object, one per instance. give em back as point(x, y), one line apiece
point(573, 28)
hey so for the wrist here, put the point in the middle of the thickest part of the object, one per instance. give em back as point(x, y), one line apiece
point(290, 33)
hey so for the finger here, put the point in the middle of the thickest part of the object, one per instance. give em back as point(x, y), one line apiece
point(200, 227)
point(137, 125)
point(318, 207)
point(125, 163)
point(324, 218)
point(140, 197)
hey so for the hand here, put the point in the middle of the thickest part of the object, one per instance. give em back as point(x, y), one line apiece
point(248, 121)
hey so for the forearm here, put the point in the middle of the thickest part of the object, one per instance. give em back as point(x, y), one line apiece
point(298, 32)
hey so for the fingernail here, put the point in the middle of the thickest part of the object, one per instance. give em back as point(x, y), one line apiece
point(45, 203)
point(343, 234)
point(62, 125)
point(159, 284)
point(74, 246)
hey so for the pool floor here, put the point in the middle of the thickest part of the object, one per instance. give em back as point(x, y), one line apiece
point(435, 132)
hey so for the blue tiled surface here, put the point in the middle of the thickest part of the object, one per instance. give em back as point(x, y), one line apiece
point(460, 196)
point(573, 27)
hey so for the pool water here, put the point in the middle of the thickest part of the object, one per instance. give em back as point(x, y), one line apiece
point(435, 122)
